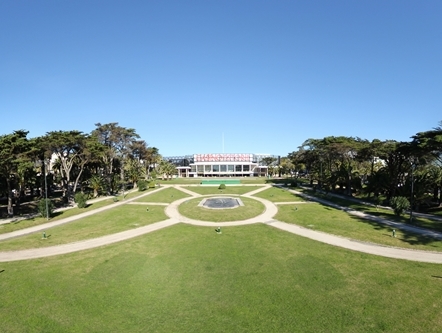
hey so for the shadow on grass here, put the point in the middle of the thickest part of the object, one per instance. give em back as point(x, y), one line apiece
point(409, 237)
point(347, 205)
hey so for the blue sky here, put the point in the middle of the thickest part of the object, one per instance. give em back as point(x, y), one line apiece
point(222, 76)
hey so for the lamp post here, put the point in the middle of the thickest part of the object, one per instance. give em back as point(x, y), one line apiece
point(46, 190)
point(413, 164)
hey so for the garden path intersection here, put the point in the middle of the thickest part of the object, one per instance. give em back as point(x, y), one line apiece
point(266, 217)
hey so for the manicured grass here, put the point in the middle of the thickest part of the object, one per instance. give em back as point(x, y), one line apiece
point(250, 209)
point(108, 222)
point(132, 194)
point(166, 195)
point(248, 279)
point(334, 221)
point(230, 189)
point(276, 194)
point(31, 222)
point(253, 180)
point(436, 211)
point(380, 212)
point(22, 224)
point(179, 181)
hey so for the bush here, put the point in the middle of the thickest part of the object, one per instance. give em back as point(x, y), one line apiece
point(80, 199)
point(399, 205)
point(42, 207)
point(152, 184)
point(222, 186)
point(142, 185)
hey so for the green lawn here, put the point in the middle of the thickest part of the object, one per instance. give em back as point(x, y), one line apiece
point(250, 209)
point(248, 279)
point(26, 223)
point(178, 181)
point(108, 222)
point(253, 180)
point(277, 194)
point(380, 212)
point(22, 224)
point(166, 195)
point(334, 221)
point(230, 189)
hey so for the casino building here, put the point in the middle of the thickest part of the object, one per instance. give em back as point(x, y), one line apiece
point(220, 165)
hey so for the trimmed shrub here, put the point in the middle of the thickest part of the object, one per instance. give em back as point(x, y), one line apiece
point(80, 199)
point(42, 207)
point(399, 205)
point(222, 186)
point(152, 184)
point(142, 185)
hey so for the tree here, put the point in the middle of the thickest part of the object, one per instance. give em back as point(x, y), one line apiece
point(369, 152)
point(151, 158)
point(134, 171)
point(97, 183)
point(71, 149)
point(429, 144)
point(268, 162)
point(13, 149)
point(295, 158)
point(166, 169)
point(287, 166)
point(399, 205)
point(117, 141)
point(396, 163)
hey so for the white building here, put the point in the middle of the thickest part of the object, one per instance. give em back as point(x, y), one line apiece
point(220, 165)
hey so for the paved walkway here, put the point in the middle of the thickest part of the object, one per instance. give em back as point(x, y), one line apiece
point(48, 225)
point(175, 217)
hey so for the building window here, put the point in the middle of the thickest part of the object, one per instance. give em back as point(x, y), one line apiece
point(230, 168)
point(215, 168)
point(223, 168)
point(238, 168)
point(193, 168)
point(246, 168)
point(200, 168)
point(207, 168)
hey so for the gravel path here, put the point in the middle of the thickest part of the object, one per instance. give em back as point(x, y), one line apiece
point(175, 217)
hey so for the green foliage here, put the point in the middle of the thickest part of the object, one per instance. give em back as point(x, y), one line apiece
point(222, 186)
point(399, 205)
point(152, 184)
point(42, 204)
point(80, 199)
point(98, 184)
point(142, 185)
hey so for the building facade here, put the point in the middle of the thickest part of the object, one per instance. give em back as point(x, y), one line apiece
point(220, 165)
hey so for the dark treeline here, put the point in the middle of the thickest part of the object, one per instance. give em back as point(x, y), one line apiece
point(111, 155)
point(380, 170)
point(101, 161)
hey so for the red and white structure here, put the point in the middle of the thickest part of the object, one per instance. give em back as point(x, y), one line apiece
point(223, 165)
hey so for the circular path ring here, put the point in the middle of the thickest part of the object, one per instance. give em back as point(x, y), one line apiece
point(267, 216)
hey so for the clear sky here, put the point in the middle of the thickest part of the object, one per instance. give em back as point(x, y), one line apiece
point(222, 76)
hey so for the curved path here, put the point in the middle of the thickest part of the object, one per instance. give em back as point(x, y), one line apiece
point(175, 217)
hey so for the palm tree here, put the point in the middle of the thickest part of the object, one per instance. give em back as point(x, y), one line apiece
point(97, 183)
point(166, 169)
point(134, 171)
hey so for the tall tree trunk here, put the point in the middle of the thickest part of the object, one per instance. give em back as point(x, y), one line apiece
point(10, 195)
